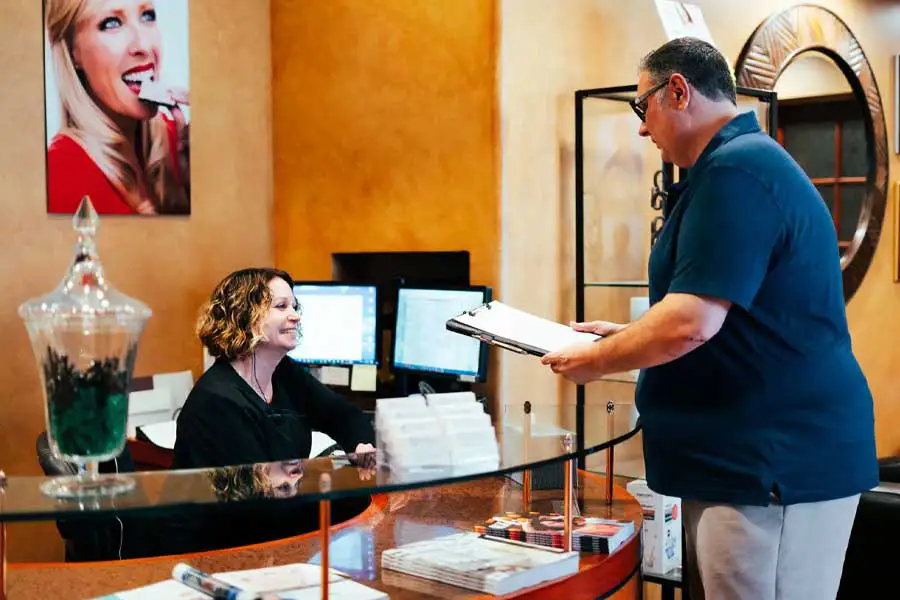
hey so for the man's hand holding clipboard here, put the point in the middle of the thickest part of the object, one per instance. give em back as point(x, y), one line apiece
point(577, 362)
point(518, 331)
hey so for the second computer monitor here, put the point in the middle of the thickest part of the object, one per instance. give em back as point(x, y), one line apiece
point(338, 324)
point(422, 342)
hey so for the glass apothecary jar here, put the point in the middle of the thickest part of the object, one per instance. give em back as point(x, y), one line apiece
point(85, 337)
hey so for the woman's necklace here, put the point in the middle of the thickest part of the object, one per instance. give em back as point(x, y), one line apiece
point(259, 388)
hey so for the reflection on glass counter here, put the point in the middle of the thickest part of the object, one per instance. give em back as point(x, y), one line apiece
point(279, 479)
point(351, 551)
point(409, 530)
point(530, 435)
point(356, 547)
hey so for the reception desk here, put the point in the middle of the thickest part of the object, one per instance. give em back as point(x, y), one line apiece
point(399, 512)
point(356, 546)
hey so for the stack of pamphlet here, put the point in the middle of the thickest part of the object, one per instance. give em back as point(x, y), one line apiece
point(589, 534)
point(474, 562)
point(435, 435)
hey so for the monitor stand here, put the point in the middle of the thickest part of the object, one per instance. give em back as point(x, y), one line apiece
point(417, 383)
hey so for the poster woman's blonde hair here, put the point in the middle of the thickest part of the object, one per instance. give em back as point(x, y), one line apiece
point(86, 123)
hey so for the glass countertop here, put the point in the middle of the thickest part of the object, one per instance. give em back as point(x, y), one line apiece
point(528, 436)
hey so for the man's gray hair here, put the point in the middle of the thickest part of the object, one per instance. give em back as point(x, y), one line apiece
point(699, 62)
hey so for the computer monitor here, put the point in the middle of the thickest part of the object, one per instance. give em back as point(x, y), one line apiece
point(339, 324)
point(392, 270)
point(422, 342)
point(395, 269)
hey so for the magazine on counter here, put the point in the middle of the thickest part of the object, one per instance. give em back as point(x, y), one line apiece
point(285, 582)
point(589, 534)
point(472, 561)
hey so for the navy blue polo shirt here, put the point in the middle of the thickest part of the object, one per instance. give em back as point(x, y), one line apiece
point(775, 401)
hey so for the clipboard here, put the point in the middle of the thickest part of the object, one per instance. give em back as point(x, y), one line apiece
point(511, 329)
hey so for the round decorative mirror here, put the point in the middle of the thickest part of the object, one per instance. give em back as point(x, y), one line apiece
point(821, 124)
point(830, 119)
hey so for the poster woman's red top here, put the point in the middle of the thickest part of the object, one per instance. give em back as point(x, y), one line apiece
point(72, 174)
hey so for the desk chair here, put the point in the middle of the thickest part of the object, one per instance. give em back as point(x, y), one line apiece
point(871, 554)
point(109, 538)
point(157, 398)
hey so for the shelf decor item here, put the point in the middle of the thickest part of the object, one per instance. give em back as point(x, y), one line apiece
point(85, 338)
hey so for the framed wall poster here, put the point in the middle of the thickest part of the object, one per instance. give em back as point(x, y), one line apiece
point(896, 74)
point(896, 208)
point(117, 106)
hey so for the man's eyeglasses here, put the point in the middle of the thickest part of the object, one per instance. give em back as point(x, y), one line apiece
point(639, 104)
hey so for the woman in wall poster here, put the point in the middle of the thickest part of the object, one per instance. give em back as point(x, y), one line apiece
point(121, 135)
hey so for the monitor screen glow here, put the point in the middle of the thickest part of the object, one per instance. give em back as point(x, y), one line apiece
point(422, 341)
point(338, 324)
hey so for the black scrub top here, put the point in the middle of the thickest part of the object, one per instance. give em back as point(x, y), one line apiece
point(225, 422)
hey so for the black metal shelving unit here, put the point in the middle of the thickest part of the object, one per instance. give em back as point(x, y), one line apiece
point(624, 93)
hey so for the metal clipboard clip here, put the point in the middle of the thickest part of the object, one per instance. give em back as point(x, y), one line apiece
point(494, 342)
point(472, 312)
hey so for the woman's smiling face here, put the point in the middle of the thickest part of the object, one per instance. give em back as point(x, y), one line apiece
point(116, 47)
point(284, 478)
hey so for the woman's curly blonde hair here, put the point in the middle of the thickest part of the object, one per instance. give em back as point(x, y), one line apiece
point(229, 324)
point(240, 482)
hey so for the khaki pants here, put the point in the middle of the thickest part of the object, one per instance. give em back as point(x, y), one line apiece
point(770, 552)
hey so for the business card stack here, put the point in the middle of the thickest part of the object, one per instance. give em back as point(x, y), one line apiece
point(434, 435)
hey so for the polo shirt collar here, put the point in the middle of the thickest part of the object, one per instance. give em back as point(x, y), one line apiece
point(739, 125)
point(743, 123)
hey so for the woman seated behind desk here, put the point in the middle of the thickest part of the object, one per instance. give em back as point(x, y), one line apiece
point(256, 405)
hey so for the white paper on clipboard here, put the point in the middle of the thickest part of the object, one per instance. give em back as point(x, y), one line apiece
point(501, 325)
point(681, 19)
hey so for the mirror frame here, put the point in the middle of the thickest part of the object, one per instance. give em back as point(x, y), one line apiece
point(772, 47)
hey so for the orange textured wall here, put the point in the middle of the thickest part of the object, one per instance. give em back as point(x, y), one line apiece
point(384, 131)
point(171, 264)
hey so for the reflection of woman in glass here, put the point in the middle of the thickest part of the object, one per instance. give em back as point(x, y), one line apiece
point(263, 480)
point(113, 146)
point(555, 523)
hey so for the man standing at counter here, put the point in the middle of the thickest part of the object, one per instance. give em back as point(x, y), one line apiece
point(754, 409)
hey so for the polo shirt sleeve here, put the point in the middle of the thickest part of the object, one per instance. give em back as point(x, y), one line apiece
point(727, 238)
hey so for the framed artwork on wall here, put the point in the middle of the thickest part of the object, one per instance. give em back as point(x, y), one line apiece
point(895, 201)
point(117, 106)
point(897, 104)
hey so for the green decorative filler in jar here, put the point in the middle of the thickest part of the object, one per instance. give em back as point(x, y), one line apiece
point(87, 411)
